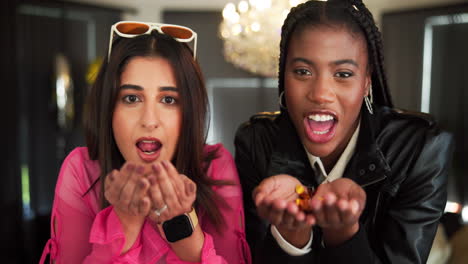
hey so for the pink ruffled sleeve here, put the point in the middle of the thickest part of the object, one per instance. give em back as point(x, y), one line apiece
point(83, 233)
point(72, 213)
point(107, 238)
point(231, 243)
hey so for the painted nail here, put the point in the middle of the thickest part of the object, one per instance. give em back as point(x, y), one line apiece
point(354, 206)
point(191, 188)
point(156, 167)
point(142, 184)
point(140, 169)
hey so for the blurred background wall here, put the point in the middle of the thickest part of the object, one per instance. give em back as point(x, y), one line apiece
point(50, 47)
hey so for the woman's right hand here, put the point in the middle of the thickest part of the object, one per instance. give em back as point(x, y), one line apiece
point(174, 192)
point(127, 191)
point(275, 200)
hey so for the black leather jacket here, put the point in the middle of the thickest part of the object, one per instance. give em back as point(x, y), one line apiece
point(401, 161)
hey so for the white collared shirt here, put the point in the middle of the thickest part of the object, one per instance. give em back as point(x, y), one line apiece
point(335, 173)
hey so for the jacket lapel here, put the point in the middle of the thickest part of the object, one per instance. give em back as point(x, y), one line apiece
point(368, 165)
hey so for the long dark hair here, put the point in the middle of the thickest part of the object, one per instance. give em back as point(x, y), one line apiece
point(189, 158)
point(356, 17)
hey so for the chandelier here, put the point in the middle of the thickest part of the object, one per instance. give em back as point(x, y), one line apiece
point(251, 33)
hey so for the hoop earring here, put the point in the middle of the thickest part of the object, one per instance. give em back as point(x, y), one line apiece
point(280, 100)
point(369, 100)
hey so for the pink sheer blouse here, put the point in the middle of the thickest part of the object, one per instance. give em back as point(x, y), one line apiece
point(86, 234)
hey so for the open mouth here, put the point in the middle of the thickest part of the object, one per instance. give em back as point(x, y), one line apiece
point(320, 127)
point(149, 147)
point(321, 123)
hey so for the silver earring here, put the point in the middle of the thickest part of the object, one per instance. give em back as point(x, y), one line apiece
point(369, 100)
point(280, 100)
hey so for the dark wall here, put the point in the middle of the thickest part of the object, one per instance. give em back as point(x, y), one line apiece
point(403, 34)
point(449, 86)
point(34, 33)
point(10, 189)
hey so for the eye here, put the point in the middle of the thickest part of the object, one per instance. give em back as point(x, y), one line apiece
point(344, 74)
point(130, 99)
point(168, 100)
point(302, 72)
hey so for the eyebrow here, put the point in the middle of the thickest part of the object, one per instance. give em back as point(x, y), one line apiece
point(336, 63)
point(346, 61)
point(306, 61)
point(131, 87)
point(139, 88)
point(168, 88)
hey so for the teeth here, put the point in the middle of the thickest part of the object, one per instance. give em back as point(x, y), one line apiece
point(321, 132)
point(148, 141)
point(320, 118)
point(148, 152)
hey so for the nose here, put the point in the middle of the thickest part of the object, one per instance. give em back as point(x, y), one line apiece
point(149, 117)
point(321, 91)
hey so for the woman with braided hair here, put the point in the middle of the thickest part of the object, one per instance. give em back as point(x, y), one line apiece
point(339, 176)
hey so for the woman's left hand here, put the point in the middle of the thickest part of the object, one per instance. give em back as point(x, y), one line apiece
point(171, 193)
point(337, 207)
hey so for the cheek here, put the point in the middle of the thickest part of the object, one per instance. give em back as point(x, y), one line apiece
point(354, 100)
point(293, 95)
point(358, 98)
point(118, 128)
point(174, 128)
point(351, 103)
point(122, 125)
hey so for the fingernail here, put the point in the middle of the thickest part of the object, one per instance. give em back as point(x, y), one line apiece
point(315, 204)
point(282, 204)
point(142, 184)
point(354, 206)
point(330, 199)
point(140, 169)
point(191, 188)
point(155, 167)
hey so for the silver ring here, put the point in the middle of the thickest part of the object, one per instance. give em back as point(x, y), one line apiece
point(158, 212)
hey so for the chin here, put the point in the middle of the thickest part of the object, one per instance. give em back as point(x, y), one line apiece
point(319, 150)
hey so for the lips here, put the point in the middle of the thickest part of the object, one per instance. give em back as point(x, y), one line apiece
point(320, 126)
point(148, 148)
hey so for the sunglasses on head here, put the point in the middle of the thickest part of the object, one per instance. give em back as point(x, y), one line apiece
point(131, 29)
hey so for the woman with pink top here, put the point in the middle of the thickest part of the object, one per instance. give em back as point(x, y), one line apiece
point(147, 189)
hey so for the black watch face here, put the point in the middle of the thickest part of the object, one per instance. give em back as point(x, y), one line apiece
point(177, 228)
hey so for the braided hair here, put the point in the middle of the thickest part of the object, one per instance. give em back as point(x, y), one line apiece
point(357, 18)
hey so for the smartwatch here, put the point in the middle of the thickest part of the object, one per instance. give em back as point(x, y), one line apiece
point(180, 227)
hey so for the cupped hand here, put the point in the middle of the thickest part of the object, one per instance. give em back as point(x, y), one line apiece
point(127, 191)
point(336, 207)
point(171, 193)
point(275, 200)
